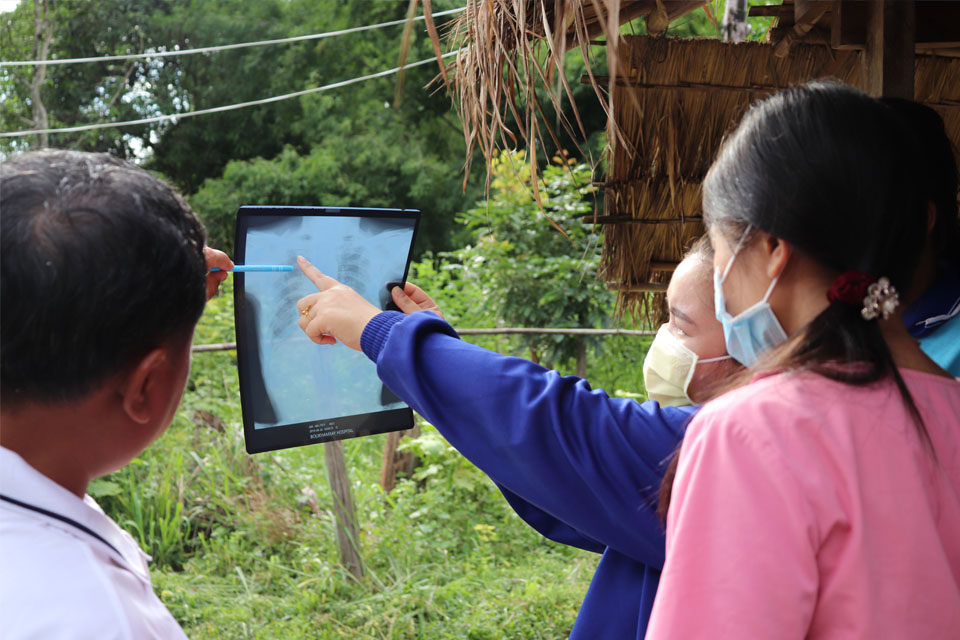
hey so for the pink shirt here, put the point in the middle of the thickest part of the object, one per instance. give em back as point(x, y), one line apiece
point(807, 508)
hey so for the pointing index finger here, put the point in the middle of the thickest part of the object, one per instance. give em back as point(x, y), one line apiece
point(316, 277)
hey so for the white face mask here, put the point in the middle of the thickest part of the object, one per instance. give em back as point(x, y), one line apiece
point(669, 368)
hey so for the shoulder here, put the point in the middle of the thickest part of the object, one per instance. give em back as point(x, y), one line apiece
point(775, 397)
point(78, 599)
point(792, 414)
point(55, 585)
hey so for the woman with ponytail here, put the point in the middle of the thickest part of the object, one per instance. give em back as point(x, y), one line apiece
point(821, 497)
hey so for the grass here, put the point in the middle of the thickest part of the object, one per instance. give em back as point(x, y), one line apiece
point(245, 546)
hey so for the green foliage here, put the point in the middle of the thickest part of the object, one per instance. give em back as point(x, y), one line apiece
point(535, 264)
point(354, 146)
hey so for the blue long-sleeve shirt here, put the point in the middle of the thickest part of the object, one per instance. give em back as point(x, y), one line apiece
point(580, 467)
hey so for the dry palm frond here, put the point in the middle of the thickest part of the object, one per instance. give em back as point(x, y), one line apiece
point(511, 49)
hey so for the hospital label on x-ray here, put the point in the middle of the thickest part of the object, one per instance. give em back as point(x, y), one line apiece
point(327, 429)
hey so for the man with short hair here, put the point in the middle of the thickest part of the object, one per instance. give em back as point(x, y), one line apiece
point(104, 277)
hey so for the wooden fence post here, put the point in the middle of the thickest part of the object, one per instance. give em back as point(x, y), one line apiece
point(396, 463)
point(343, 508)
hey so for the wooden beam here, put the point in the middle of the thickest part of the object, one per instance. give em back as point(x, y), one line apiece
point(770, 11)
point(759, 90)
point(640, 287)
point(890, 48)
point(681, 86)
point(663, 266)
point(806, 14)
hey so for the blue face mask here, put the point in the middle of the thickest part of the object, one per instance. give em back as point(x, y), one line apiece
point(752, 332)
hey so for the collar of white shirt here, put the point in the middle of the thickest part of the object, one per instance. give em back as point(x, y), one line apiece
point(20, 481)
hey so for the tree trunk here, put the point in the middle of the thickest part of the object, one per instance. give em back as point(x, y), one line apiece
point(42, 36)
point(344, 509)
point(734, 27)
point(396, 463)
point(581, 357)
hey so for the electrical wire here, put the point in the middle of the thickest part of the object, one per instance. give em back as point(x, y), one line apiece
point(224, 47)
point(229, 107)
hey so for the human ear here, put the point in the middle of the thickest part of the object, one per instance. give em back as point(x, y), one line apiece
point(776, 253)
point(140, 390)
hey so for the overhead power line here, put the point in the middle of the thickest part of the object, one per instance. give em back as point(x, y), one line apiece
point(229, 107)
point(223, 47)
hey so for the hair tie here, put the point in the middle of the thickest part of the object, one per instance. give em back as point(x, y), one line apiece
point(878, 297)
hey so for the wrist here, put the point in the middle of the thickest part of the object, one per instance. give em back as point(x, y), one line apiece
point(376, 331)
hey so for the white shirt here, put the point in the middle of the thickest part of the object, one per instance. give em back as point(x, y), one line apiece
point(59, 581)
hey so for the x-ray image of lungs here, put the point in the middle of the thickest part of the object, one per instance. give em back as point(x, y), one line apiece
point(302, 381)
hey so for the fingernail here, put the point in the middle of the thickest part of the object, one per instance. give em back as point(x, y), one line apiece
point(398, 291)
point(301, 259)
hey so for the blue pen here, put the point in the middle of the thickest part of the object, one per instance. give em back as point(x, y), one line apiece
point(258, 267)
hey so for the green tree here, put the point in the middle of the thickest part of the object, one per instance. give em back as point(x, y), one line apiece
point(527, 270)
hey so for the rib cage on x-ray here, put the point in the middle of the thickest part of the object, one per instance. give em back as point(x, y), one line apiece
point(302, 381)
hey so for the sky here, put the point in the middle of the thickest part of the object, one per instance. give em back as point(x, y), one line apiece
point(8, 5)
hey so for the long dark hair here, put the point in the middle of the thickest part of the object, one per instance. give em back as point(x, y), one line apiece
point(938, 163)
point(833, 172)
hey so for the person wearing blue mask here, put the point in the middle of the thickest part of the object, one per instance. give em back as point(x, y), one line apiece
point(581, 468)
point(819, 497)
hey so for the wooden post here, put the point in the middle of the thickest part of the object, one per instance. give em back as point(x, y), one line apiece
point(734, 27)
point(891, 28)
point(343, 508)
point(581, 357)
point(396, 463)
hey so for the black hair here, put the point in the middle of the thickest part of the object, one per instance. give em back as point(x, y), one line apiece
point(938, 164)
point(101, 262)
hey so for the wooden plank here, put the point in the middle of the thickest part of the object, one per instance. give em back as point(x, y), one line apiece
point(770, 11)
point(890, 49)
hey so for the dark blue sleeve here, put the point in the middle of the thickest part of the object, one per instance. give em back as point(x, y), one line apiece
point(591, 461)
point(549, 527)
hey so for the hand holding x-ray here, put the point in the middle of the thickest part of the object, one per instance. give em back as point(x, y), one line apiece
point(337, 312)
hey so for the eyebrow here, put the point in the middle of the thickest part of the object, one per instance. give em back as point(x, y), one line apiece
point(680, 314)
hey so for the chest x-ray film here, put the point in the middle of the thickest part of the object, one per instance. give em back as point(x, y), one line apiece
point(294, 392)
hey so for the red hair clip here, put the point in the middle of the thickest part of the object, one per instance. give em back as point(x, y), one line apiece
point(878, 297)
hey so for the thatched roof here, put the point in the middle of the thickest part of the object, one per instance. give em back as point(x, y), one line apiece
point(675, 99)
point(668, 101)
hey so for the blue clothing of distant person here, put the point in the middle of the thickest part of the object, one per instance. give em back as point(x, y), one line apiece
point(934, 319)
point(580, 467)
